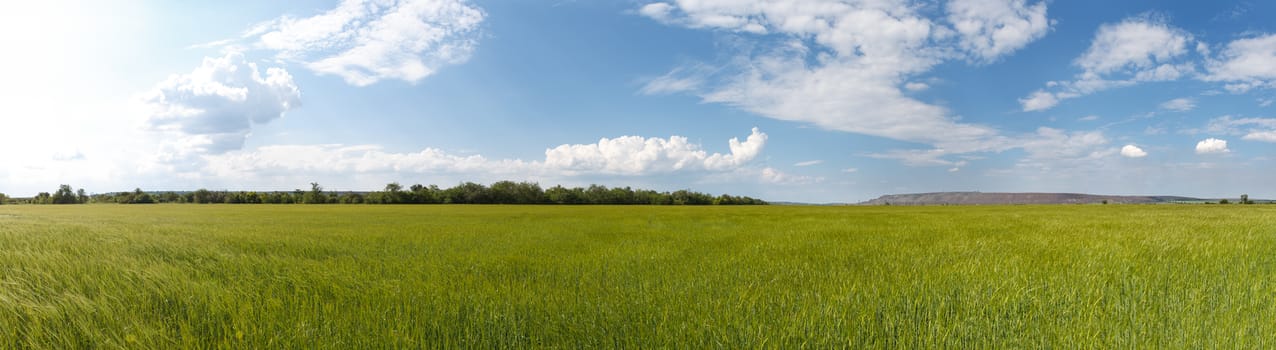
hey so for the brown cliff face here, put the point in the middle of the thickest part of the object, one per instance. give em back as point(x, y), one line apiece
point(971, 198)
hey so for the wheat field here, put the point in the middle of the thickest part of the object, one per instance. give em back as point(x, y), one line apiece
point(437, 276)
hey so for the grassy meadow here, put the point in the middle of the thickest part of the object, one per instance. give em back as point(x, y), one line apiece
point(436, 276)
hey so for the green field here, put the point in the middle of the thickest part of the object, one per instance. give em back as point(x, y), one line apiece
point(352, 277)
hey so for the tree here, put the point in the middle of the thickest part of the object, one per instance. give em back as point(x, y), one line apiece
point(64, 195)
point(81, 197)
point(201, 196)
point(425, 194)
point(140, 197)
point(315, 196)
point(3, 198)
point(1245, 199)
point(560, 195)
point(467, 193)
point(350, 198)
point(1224, 202)
point(42, 198)
point(393, 194)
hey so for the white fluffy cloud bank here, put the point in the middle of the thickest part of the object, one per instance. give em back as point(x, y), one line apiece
point(621, 156)
point(634, 155)
point(366, 41)
point(212, 109)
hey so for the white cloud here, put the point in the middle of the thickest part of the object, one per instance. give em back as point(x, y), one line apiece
point(341, 159)
point(990, 29)
point(765, 175)
point(917, 157)
point(634, 155)
point(1211, 146)
point(1050, 144)
point(1179, 105)
point(1088, 118)
point(1263, 136)
point(844, 65)
point(915, 86)
point(1039, 101)
point(623, 156)
point(773, 176)
point(1133, 44)
point(676, 81)
point(1132, 151)
point(212, 109)
point(366, 41)
point(1050, 151)
point(850, 170)
point(1252, 129)
point(658, 11)
point(1245, 64)
point(808, 163)
point(1137, 49)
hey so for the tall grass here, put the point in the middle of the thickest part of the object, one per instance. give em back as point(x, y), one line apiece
point(342, 277)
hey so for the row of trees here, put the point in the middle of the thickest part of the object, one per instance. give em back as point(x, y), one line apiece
point(63, 195)
point(503, 192)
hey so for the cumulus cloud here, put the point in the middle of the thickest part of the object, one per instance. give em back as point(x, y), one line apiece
point(1179, 105)
point(212, 109)
point(846, 65)
point(635, 155)
point(990, 29)
point(623, 156)
point(1245, 64)
point(1135, 50)
point(1132, 151)
point(1211, 146)
point(366, 41)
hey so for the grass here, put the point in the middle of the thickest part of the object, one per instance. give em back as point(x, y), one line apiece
point(345, 277)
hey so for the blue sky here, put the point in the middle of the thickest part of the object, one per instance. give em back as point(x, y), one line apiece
point(812, 100)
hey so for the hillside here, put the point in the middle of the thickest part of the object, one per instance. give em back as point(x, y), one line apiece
point(968, 198)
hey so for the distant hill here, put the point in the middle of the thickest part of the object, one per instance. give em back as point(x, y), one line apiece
point(968, 198)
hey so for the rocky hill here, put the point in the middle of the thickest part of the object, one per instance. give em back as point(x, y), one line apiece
point(969, 198)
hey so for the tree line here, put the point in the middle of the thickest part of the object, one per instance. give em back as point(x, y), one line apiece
point(502, 192)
